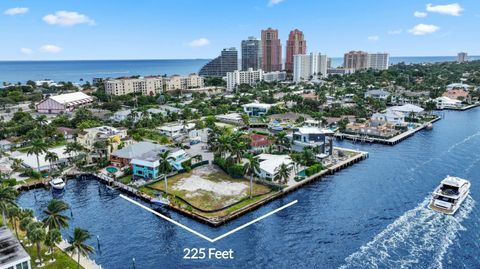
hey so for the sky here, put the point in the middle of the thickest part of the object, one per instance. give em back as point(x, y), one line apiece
point(192, 29)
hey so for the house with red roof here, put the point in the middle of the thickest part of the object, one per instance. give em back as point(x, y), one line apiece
point(260, 143)
point(458, 94)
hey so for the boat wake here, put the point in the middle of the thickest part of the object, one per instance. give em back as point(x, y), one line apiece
point(419, 238)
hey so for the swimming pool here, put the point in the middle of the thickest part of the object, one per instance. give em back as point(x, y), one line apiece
point(301, 173)
point(111, 169)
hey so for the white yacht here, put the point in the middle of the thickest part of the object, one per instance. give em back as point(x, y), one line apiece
point(448, 197)
point(57, 183)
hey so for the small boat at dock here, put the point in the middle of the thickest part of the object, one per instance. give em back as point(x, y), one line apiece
point(160, 201)
point(448, 197)
point(57, 183)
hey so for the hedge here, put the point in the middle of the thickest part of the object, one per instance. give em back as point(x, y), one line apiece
point(312, 170)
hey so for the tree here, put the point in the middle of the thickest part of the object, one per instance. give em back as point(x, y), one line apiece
point(252, 166)
point(78, 244)
point(55, 219)
point(7, 199)
point(246, 120)
point(37, 147)
point(165, 167)
point(53, 237)
point(283, 173)
point(36, 234)
point(51, 157)
point(15, 214)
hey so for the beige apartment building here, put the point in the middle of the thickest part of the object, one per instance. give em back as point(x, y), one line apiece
point(152, 85)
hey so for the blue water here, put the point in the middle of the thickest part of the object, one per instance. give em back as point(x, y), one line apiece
point(21, 71)
point(74, 71)
point(370, 215)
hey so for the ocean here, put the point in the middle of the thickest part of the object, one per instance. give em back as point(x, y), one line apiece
point(81, 71)
point(373, 214)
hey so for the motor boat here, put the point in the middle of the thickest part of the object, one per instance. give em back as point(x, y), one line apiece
point(448, 197)
point(57, 183)
point(160, 201)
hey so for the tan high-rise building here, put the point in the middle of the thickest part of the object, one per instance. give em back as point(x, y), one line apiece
point(296, 44)
point(271, 50)
point(355, 60)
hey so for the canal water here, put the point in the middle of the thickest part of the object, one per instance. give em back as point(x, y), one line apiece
point(370, 215)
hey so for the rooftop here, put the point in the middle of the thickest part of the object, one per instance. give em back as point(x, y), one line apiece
point(270, 163)
point(407, 108)
point(313, 130)
point(70, 97)
point(142, 150)
point(10, 248)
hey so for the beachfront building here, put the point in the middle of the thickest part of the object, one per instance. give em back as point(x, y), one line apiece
point(251, 53)
point(307, 66)
point(275, 76)
point(271, 50)
point(378, 61)
point(462, 57)
point(64, 103)
point(13, 255)
point(270, 165)
point(313, 137)
point(379, 94)
point(296, 44)
point(444, 102)
point(256, 109)
point(220, 66)
point(153, 85)
point(355, 60)
point(250, 77)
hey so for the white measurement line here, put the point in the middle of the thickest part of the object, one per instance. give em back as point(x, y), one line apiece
point(199, 234)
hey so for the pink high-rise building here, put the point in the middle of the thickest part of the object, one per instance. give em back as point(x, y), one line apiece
point(296, 44)
point(271, 50)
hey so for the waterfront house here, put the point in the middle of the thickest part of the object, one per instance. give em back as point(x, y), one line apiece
point(312, 137)
point(458, 94)
point(380, 129)
point(30, 161)
point(63, 103)
point(270, 164)
point(122, 157)
point(256, 109)
point(391, 117)
point(146, 165)
point(260, 143)
point(407, 110)
point(13, 255)
point(112, 137)
point(378, 94)
point(444, 102)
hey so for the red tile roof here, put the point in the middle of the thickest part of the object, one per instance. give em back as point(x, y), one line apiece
point(260, 140)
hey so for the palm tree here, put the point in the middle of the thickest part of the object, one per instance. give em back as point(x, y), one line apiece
point(53, 237)
point(246, 120)
point(283, 173)
point(36, 234)
point(51, 157)
point(37, 147)
point(252, 166)
point(24, 223)
point(165, 167)
point(7, 199)
point(15, 214)
point(41, 120)
point(77, 244)
point(55, 219)
point(281, 140)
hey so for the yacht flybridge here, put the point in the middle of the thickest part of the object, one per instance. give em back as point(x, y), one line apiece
point(451, 193)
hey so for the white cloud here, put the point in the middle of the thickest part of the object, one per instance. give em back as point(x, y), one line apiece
point(374, 38)
point(50, 49)
point(26, 51)
point(395, 32)
point(200, 42)
point(423, 29)
point(420, 14)
point(16, 10)
point(67, 18)
point(271, 3)
point(450, 9)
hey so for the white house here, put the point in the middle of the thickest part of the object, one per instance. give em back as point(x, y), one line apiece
point(31, 160)
point(379, 94)
point(406, 109)
point(392, 117)
point(234, 118)
point(176, 129)
point(312, 137)
point(124, 114)
point(63, 103)
point(256, 109)
point(270, 164)
point(444, 102)
point(13, 255)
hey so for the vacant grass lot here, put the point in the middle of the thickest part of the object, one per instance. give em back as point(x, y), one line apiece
point(208, 188)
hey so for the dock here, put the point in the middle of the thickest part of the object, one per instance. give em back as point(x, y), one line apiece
point(390, 141)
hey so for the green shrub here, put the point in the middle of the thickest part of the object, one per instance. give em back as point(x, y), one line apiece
point(313, 169)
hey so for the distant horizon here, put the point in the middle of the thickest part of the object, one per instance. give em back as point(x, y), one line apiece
point(202, 59)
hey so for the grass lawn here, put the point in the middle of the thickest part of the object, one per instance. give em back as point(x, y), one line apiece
point(125, 179)
point(63, 260)
point(209, 188)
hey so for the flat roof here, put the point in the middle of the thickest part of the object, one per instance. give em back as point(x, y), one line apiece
point(71, 97)
point(11, 250)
